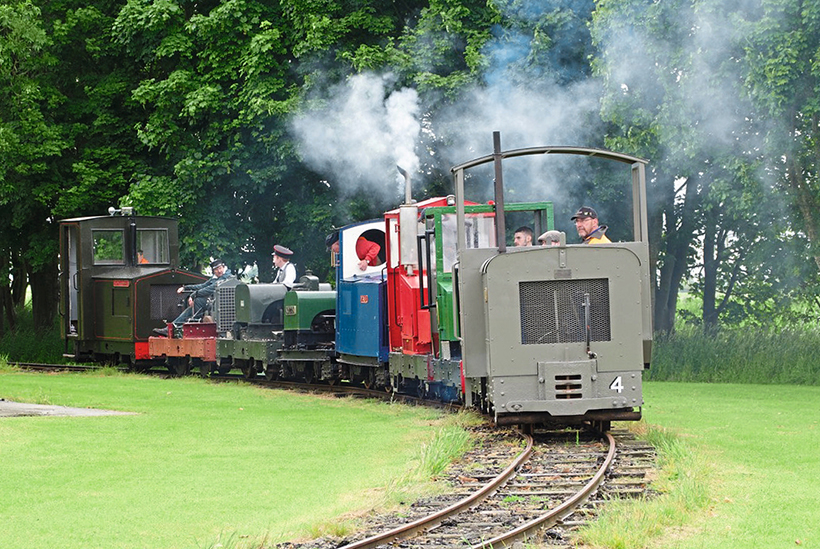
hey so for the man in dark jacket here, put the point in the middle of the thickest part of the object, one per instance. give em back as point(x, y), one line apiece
point(198, 300)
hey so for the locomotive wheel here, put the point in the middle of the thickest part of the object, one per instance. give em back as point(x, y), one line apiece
point(309, 374)
point(250, 370)
point(205, 369)
point(272, 372)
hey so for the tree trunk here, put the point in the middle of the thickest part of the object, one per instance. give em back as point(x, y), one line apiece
point(7, 311)
point(19, 285)
point(806, 203)
point(44, 296)
point(678, 237)
point(711, 263)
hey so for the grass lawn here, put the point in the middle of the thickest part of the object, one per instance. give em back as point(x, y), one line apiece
point(761, 443)
point(199, 465)
point(209, 465)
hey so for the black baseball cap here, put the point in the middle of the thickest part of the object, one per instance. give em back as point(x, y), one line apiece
point(585, 211)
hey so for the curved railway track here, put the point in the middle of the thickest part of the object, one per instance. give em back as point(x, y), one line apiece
point(546, 491)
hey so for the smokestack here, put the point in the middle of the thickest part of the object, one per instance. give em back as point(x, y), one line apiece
point(407, 187)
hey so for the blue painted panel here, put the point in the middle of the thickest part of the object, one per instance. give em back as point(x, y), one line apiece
point(360, 318)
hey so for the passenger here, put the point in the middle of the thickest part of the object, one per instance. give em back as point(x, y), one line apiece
point(198, 300)
point(586, 222)
point(523, 237)
point(286, 271)
point(141, 259)
point(550, 238)
point(366, 251)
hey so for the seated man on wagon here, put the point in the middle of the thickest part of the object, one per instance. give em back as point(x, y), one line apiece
point(200, 293)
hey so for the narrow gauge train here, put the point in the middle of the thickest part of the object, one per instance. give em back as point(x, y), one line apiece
point(530, 335)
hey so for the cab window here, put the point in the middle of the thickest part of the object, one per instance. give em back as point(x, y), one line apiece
point(109, 247)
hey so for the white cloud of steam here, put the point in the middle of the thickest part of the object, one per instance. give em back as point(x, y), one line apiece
point(362, 132)
point(526, 117)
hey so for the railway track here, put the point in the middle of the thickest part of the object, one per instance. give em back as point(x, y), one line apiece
point(39, 367)
point(547, 489)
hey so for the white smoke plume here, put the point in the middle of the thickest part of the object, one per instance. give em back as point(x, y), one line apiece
point(361, 133)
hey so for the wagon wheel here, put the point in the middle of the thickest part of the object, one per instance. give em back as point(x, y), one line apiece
point(369, 379)
point(179, 366)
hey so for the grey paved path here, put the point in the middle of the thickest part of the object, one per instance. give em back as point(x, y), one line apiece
point(17, 409)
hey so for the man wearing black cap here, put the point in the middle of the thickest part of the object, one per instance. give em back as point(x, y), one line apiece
point(198, 300)
point(286, 273)
point(586, 222)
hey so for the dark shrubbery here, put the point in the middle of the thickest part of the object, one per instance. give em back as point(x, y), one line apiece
point(27, 344)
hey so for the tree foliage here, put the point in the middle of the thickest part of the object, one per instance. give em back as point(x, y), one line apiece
point(187, 110)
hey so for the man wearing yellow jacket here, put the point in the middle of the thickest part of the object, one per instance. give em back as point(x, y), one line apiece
point(586, 222)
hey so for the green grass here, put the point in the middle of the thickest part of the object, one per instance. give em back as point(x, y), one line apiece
point(740, 467)
point(200, 465)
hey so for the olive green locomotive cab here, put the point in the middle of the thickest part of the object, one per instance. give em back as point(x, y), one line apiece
point(111, 295)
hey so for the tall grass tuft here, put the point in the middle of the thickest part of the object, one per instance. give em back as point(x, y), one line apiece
point(683, 490)
point(450, 442)
point(741, 355)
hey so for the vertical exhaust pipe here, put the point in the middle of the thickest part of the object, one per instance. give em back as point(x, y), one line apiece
point(407, 186)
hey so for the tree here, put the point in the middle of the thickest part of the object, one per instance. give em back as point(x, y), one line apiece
point(29, 141)
point(680, 101)
point(783, 79)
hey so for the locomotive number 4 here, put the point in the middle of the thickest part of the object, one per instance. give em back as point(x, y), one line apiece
point(617, 385)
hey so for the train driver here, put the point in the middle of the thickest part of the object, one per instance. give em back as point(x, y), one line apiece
point(198, 300)
point(586, 223)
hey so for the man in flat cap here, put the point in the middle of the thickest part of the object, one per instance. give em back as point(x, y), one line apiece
point(551, 238)
point(198, 300)
point(586, 222)
point(286, 271)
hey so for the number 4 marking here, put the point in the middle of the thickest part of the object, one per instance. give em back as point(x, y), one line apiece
point(617, 385)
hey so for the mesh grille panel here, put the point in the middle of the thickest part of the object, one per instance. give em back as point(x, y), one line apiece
point(224, 310)
point(166, 304)
point(552, 311)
